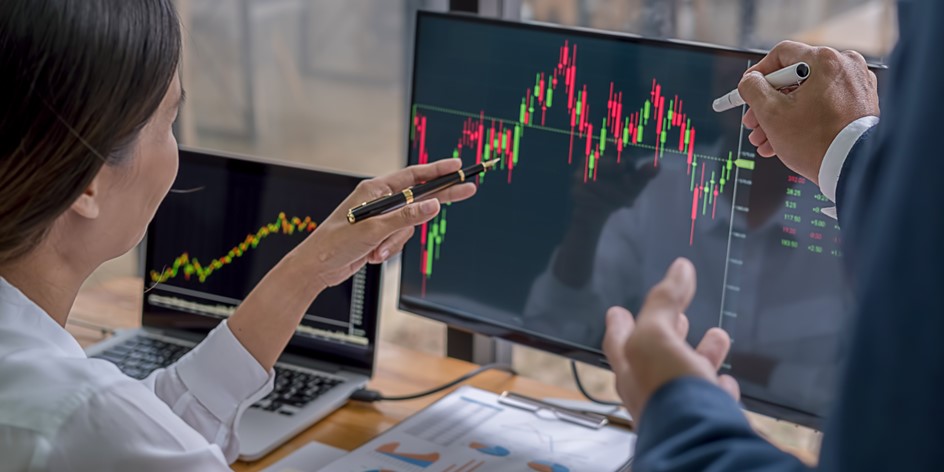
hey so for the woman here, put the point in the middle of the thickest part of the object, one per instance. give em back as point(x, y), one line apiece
point(88, 94)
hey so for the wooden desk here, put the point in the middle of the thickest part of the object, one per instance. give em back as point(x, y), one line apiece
point(400, 371)
point(117, 303)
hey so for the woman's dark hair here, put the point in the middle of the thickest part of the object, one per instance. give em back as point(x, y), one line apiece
point(78, 81)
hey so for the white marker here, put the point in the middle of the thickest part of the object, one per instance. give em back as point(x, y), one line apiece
point(787, 77)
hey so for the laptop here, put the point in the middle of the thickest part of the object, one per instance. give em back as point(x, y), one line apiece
point(226, 222)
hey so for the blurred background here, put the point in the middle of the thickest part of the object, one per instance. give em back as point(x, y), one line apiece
point(326, 83)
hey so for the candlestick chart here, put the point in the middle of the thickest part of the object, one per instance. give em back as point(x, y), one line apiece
point(611, 164)
point(597, 129)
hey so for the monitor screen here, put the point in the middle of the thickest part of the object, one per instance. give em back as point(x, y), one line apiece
point(613, 164)
point(224, 225)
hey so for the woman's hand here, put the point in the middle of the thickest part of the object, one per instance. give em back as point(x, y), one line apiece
point(339, 248)
point(651, 351)
point(333, 253)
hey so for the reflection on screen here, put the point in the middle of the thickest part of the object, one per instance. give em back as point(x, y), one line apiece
point(612, 165)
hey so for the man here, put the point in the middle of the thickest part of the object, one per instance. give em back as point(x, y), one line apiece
point(888, 412)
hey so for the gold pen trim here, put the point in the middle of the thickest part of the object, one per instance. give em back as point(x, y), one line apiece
point(461, 175)
point(408, 193)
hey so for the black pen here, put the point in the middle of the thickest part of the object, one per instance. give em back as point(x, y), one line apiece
point(393, 201)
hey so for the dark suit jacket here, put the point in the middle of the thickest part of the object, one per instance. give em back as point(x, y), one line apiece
point(889, 413)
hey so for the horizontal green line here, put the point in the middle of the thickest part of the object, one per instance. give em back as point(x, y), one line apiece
point(745, 164)
point(554, 130)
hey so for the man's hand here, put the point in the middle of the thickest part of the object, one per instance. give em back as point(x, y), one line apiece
point(799, 126)
point(651, 351)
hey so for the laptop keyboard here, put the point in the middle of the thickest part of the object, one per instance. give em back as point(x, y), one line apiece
point(293, 389)
point(140, 355)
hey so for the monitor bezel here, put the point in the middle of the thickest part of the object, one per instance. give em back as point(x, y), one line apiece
point(466, 322)
point(319, 352)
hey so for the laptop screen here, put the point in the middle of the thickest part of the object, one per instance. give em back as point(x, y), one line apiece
point(224, 225)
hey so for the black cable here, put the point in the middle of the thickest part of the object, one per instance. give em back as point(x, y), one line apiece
point(573, 368)
point(370, 396)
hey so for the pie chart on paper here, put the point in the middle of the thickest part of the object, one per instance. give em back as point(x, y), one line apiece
point(420, 460)
point(489, 449)
point(542, 466)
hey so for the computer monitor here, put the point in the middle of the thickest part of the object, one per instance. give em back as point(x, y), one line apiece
point(225, 224)
point(613, 164)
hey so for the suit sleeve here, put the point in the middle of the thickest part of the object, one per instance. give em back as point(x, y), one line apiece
point(692, 425)
point(890, 409)
point(890, 197)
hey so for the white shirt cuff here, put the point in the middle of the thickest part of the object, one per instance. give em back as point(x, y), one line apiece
point(222, 375)
point(836, 155)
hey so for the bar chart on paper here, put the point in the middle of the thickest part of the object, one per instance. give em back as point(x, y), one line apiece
point(470, 430)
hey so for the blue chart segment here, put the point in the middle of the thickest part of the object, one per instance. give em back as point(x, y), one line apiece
point(543, 466)
point(490, 450)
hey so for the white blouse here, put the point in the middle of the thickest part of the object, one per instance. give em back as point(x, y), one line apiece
point(60, 410)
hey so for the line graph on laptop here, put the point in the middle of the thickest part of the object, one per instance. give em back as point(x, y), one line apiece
point(207, 251)
point(190, 267)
